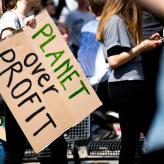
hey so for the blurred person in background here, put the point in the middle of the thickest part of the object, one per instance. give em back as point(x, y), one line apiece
point(63, 30)
point(150, 63)
point(155, 137)
point(13, 19)
point(92, 60)
point(120, 31)
point(90, 54)
point(50, 6)
point(74, 22)
point(59, 8)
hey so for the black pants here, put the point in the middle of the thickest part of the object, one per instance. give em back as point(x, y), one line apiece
point(151, 63)
point(156, 157)
point(102, 93)
point(17, 143)
point(127, 98)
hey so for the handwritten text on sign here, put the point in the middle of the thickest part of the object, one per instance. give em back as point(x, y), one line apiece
point(68, 69)
point(22, 88)
point(42, 83)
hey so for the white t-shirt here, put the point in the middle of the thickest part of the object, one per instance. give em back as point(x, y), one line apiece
point(10, 19)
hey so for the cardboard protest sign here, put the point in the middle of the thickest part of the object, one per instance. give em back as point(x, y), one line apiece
point(42, 83)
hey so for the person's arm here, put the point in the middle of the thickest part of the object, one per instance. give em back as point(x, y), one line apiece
point(154, 6)
point(119, 45)
point(116, 60)
point(68, 22)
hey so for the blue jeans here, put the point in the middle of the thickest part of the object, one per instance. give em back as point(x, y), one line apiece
point(2, 152)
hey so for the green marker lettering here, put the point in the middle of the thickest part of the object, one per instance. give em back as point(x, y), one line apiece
point(56, 55)
point(67, 69)
point(46, 42)
point(46, 30)
point(83, 88)
point(69, 77)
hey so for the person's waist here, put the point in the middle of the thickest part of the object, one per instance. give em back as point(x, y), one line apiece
point(127, 83)
point(135, 73)
point(129, 71)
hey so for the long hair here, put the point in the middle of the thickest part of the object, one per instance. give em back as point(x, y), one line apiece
point(9, 4)
point(129, 10)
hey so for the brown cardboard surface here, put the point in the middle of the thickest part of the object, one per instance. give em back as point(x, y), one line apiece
point(49, 112)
